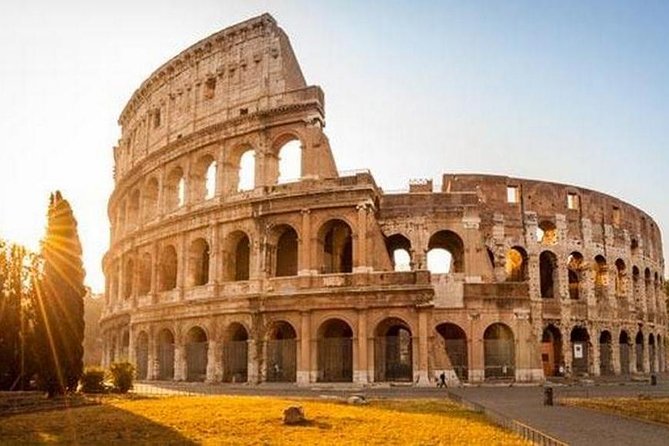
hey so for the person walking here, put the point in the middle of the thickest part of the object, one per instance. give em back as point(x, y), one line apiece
point(442, 380)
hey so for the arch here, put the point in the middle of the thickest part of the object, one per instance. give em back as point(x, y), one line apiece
point(652, 353)
point(605, 353)
point(290, 161)
point(335, 351)
point(238, 254)
point(601, 278)
point(574, 272)
point(203, 178)
point(142, 355)
point(450, 261)
point(246, 170)
point(198, 261)
point(620, 277)
point(548, 274)
point(128, 275)
point(636, 285)
point(336, 242)
point(551, 351)
point(165, 354)
point(286, 253)
point(174, 190)
point(546, 233)
point(624, 352)
point(236, 354)
point(393, 352)
point(638, 349)
point(499, 355)
point(197, 346)
point(168, 268)
point(515, 265)
point(133, 209)
point(580, 347)
point(399, 250)
point(145, 272)
point(150, 199)
point(455, 345)
point(281, 352)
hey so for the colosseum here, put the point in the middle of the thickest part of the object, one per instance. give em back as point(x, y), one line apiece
point(224, 269)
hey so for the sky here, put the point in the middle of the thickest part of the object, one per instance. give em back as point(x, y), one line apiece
point(568, 91)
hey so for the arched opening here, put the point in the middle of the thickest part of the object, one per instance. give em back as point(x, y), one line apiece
point(455, 344)
point(150, 199)
point(174, 189)
point(335, 352)
point(112, 350)
point(393, 358)
point(198, 260)
point(638, 350)
point(551, 351)
point(636, 286)
point(548, 274)
point(605, 353)
point(580, 342)
point(133, 209)
point(282, 353)
point(634, 246)
point(237, 257)
point(196, 354)
point(648, 288)
point(499, 352)
point(624, 349)
point(516, 265)
point(336, 239)
point(652, 353)
point(286, 252)
point(399, 250)
point(203, 178)
point(620, 278)
point(601, 279)
point(128, 276)
point(165, 355)
point(236, 354)
point(446, 253)
point(125, 345)
point(546, 233)
point(574, 270)
point(247, 171)
point(168, 268)
point(142, 356)
point(290, 162)
point(145, 271)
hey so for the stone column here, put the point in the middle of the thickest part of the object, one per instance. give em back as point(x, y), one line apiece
point(303, 360)
point(179, 361)
point(253, 372)
point(305, 267)
point(182, 265)
point(423, 330)
point(154, 273)
point(475, 349)
point(361, 374)
point(214, 256)
point(360, 252)
point(152, 371)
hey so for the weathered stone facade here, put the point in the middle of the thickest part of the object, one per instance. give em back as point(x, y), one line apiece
point(298, 281)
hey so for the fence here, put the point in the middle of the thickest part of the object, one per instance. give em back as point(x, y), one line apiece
point(523, 430)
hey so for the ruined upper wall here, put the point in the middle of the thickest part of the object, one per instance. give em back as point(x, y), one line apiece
point(240, 71)
point(608, 216)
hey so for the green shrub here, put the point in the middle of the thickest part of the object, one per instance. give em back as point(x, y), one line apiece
point(92, 380)
point(123, 374)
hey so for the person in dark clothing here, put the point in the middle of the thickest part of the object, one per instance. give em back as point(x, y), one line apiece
point(442, 380)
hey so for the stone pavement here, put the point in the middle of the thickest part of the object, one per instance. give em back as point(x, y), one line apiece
point(573, 425)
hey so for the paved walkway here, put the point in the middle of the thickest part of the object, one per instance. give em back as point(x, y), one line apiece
point(573, 425)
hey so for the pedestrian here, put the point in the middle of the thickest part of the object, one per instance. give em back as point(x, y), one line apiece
point(442, 380)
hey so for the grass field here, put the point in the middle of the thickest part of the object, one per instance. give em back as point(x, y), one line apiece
point(255, 420)
point(655, 409)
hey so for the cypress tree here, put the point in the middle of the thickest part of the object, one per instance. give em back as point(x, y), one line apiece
point(60, 304)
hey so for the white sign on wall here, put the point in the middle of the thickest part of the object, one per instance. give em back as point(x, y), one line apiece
point(578, 351)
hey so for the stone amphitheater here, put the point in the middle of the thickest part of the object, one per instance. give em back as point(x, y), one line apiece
point(223, 269)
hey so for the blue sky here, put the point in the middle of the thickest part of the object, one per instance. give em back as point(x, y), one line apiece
point(574, 92)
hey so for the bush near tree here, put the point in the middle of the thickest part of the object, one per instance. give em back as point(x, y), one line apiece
point(123, 375)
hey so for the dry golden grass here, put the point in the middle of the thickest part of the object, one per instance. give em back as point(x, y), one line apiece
point(255, 420)
point(655, 409)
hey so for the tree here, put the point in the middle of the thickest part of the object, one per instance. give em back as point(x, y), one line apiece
point(60, 305)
